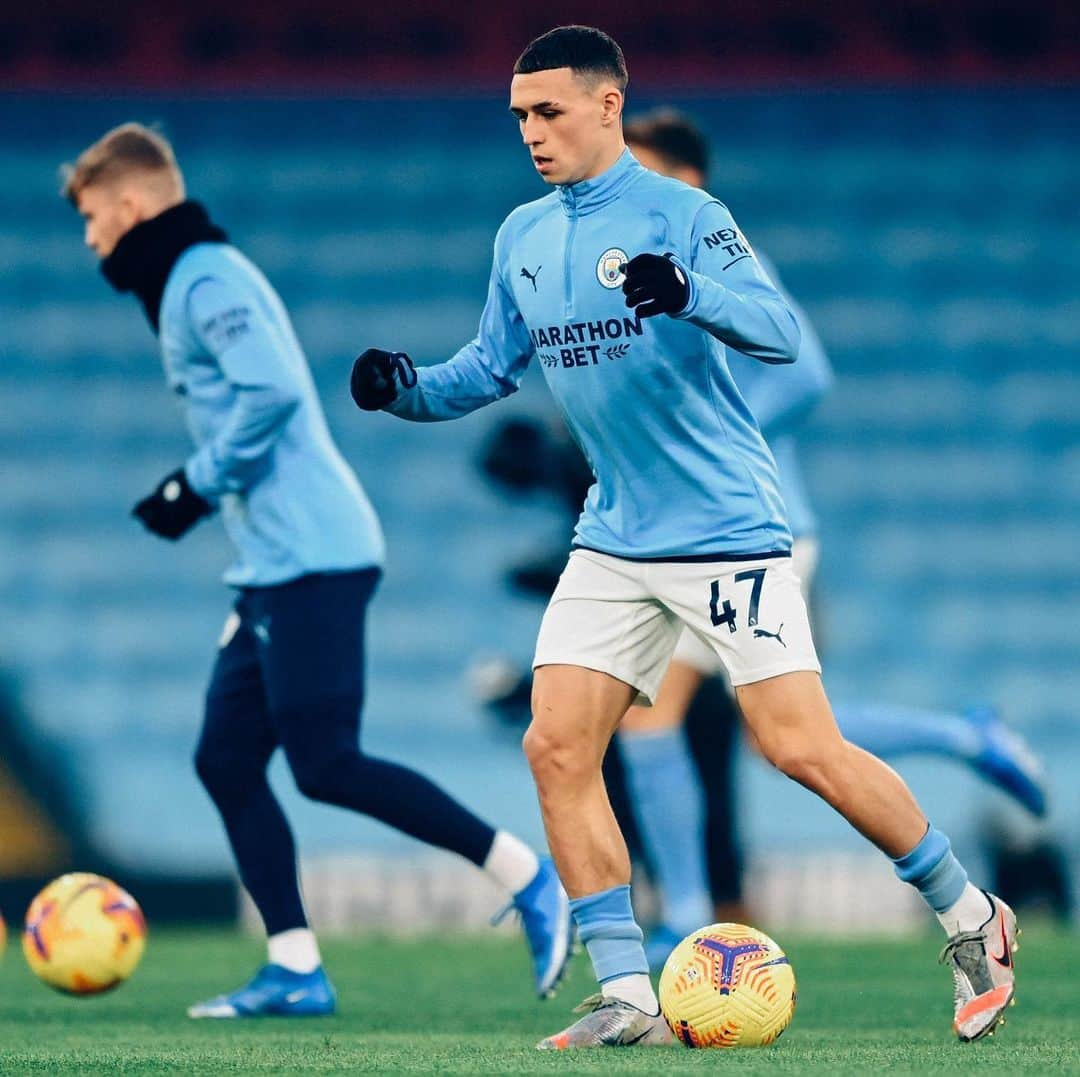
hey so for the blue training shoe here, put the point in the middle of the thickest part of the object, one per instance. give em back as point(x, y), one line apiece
point(1006, 760)
point(545, 918)
point(273, 992)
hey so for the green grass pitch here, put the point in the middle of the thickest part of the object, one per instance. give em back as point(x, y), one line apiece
point(464, 1006)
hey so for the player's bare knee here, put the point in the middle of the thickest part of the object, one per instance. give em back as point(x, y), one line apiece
point(795, 758)
point(820, 768)
point(542, 748)
point(553, 755)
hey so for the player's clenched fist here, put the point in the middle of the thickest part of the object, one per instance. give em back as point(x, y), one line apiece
point(377, 376)
point(655, 285)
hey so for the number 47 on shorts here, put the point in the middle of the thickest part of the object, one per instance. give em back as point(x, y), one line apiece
point(724, 613)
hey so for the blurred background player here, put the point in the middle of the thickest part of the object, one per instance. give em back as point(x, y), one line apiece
point(658, 771)
point(675, 503)
point(290, 667)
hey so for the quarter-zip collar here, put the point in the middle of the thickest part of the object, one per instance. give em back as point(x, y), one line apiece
point(587, 196)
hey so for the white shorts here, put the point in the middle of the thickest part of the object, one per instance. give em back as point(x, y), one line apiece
point(700, 655)
point(624, 618)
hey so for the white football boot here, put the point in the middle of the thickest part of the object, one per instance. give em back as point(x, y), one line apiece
point(983, 975)
point(610, 1022)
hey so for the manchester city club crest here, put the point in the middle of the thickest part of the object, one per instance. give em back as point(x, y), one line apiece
point(609, 269)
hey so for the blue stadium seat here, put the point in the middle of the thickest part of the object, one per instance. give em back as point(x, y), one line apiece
point(944, 466)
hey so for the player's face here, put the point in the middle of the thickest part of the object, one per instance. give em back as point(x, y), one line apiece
point(109, 213)
point(571, 128)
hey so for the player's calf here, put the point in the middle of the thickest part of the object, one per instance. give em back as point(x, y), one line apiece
point(792, 721)
point(823, 768)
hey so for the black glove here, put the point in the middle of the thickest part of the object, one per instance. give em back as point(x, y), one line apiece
point(655, 285)
point(376, 376)
point(173, 508)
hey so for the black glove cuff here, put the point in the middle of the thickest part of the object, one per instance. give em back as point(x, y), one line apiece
point(173, 508)
point(376, 376)
point(175, 490)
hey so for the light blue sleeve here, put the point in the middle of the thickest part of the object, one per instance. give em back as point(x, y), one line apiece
point(226, 322)
point(731, 296)
point(488, 368)
point(782, 398)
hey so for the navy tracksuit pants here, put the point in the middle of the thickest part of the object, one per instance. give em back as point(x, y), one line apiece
point(291, 675)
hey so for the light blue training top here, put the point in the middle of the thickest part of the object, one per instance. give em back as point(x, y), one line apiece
point(681, 467)
point(290, 503)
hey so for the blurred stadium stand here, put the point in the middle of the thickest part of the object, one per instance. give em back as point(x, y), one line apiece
point(694, 42)
point(933, 237)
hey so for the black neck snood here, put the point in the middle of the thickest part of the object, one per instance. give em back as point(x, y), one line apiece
point(143, 259)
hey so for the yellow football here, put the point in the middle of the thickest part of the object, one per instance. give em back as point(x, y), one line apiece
point(83, 934)
point(727, 985)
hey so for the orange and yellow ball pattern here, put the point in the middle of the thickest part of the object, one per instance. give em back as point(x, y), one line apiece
point(83, 934)
point(727, 985)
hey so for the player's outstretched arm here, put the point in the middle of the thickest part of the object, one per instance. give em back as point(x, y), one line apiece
point(488, 368)
point(264, 377)
point(722, 289)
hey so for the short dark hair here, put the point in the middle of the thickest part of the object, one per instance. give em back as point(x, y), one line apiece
point(675, 137)
point(584, 49)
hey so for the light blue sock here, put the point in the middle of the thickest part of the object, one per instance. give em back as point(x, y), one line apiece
point(606, 925)
point(669, 808)
point(933, 870)
point(884, 730)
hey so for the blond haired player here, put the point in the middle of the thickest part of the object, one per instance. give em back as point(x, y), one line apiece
point(290, 667)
